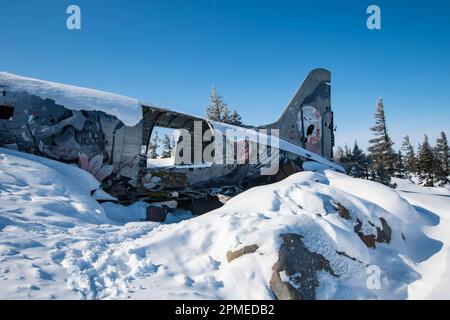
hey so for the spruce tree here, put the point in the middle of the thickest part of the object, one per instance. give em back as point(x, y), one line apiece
point(379, 174)
point(339, 154)
point(226, 115)
point(168, 145)
point(410, 160)
point(347, 154)
point(355, 161)
point(400, 169)
point(218, 110)
point(216, 105)
point(236, 118)
point(381, 149)
point(153, 146)
point(425, 163)
point(442, 160)
point(359, 165)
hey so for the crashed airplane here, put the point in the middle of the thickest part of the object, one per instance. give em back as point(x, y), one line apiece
point(109, 135)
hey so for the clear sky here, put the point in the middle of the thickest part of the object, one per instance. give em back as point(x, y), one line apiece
point(256, 53)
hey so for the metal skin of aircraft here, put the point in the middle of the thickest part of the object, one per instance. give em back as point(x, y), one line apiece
point(109, 135)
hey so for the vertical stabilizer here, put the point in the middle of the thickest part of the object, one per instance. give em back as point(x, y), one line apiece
point(307, 121)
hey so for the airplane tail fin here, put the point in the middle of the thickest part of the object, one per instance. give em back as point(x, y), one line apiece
point(307, 121)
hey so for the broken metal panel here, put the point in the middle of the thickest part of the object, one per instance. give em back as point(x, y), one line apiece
point(185, 176)
point(159, 117)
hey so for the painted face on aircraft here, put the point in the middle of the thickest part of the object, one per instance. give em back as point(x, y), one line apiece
point(311, 128)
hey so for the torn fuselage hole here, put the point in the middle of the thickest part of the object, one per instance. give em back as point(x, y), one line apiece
point(6, 112)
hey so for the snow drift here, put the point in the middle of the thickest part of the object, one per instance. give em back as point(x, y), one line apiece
point(320, 235)
point(77, 98)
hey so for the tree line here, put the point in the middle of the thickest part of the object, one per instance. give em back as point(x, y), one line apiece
point(430, 164)
point(161, 148)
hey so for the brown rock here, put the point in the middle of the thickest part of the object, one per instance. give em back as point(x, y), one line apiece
point(231, 255)
point(343, 212)
point(369, 240)
point(384, 235)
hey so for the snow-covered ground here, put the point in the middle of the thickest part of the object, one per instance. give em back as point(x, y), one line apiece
point(434, 205)
point(58, 242)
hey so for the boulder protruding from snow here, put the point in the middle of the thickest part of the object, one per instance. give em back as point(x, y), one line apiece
point(383, 234)
point(231, 255)
point(343, 212)
point(295, 273)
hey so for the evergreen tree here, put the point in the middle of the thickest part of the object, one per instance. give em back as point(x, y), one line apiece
point(355, 161)
point(347, 154)
point(236, 119)
point(339, 154)
point(379, 174)
point(216, 105)
point(153, 146)
point(368, 166)
point(425, 163)
point(226, 115)
point(400, 169)
point(381, 149)
point(359, 164)
point(168, 145)
point(218, 110)
point(410, 160)
point(442, 159)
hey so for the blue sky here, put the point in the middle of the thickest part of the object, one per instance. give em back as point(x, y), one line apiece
point(256, 53)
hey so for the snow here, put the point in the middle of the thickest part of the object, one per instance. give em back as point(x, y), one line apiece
point(128, 110)
point(58, 242)
point(433, 203)
point(45, 207)
point(162, 162)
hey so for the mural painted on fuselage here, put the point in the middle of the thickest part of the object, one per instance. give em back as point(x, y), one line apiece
point(98, 142)
point(310, 124)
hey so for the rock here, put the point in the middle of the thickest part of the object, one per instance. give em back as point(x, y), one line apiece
point(384, 235)
point(283, 290)
point(368, 239)
point(343, 212)
point(231, 255)
point(156, 213)
point(301, 266)
point(342, 253)
point(203, 205)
